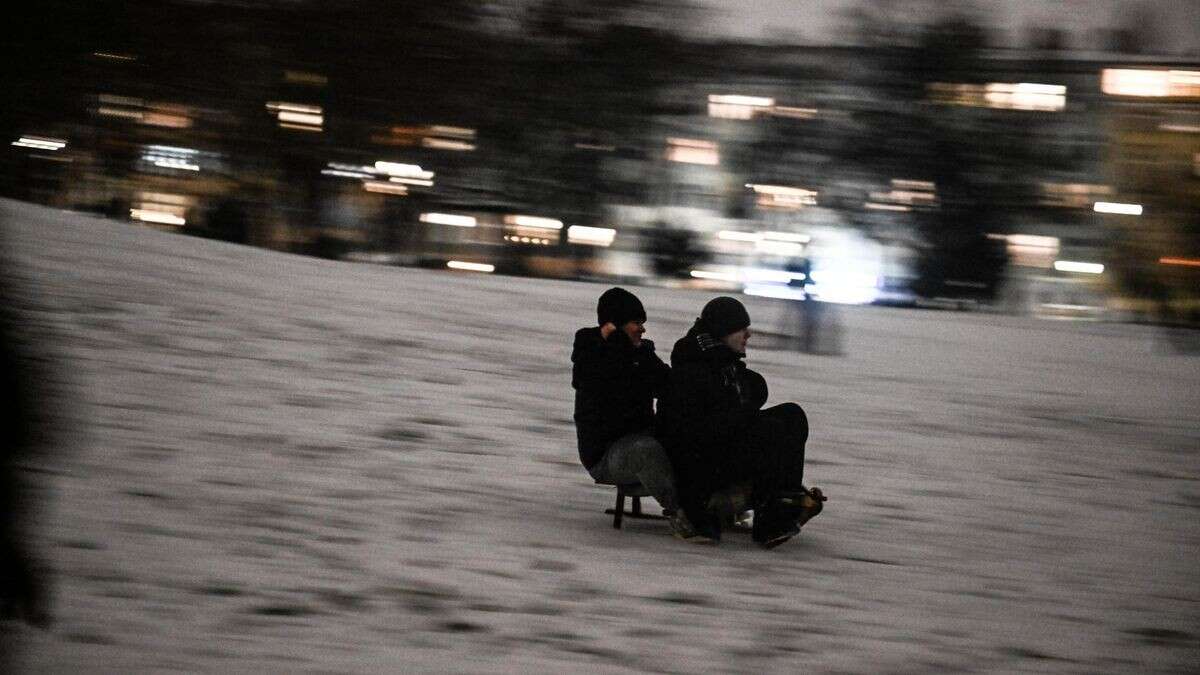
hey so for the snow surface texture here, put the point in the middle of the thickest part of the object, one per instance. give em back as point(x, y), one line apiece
point(273, 463)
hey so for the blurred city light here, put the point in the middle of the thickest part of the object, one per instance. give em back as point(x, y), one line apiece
point(737, 107)
point(170, 157)
point(470, 266)
point(300, 116)
point(692, 151)
point(714, 275)
point(1082, 267)
point(157, 216)
point(783, 197)
point(533, 221)
point(399, 170)
point(384, 187)
point(735, 235)
point(762, 275)
point(441, 137)
point(792, 112)
point(1001, 95)
point(1186, 262)
point(1118, 208)
point(1148, 83)
point(1030, 250)
point(595, 236)
point(448, 219)
point(40, 143)
point(161, 208)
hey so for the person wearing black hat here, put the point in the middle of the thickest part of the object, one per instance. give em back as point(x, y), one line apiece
point(718, 435)
point(617, 376)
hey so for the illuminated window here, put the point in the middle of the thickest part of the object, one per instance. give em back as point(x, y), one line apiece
point(691, 151)
point(1150, 83)
point(300, 116)
point(735, 107)
point(1001, 95)
point(783, 197)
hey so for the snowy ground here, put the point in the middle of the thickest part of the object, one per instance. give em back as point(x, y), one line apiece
point(281, 464)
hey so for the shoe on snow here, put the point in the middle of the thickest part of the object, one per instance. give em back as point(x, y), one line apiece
point(771, 533)
point(683, 530)
point(700, 527)
point(802, 506)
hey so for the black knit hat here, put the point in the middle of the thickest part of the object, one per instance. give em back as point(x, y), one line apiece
point(620, 307)
point(724, 315)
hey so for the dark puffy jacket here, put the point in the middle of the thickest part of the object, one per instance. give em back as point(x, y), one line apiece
point(615, 386)
point(711, 400)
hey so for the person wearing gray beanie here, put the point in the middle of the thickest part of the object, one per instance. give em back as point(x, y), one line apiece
point(718, 435)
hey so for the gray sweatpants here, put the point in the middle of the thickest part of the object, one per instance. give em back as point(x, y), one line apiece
point(640, 458)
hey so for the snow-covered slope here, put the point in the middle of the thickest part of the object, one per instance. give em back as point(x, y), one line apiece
point(281, 464)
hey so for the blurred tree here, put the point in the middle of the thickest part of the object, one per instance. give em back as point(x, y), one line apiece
point(984, 162)
point(585, 81)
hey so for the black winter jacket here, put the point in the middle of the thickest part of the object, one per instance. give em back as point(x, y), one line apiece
point(711, 400)
point(615, 386)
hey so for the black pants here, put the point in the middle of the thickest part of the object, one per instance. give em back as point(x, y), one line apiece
point(770, 455)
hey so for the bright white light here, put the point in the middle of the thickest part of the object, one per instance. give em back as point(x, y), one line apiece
point(533, 221)
point(40, 143)
point(399, 170)
point(358, 168)
point(781, 190)
point(1033, 241)
point(714, 276)
point(411, 181)
point(1150, 83)
point(176, 164)
point(1026, 96)
point(448, 219)
point(737, 107)
point(152, 216)
point(1116, 207)
point(774, 291)
point(598, 236)
point(734, 99)
point(734, 235)
point(1084, 267)
point(470, 266)
point(306, 119)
